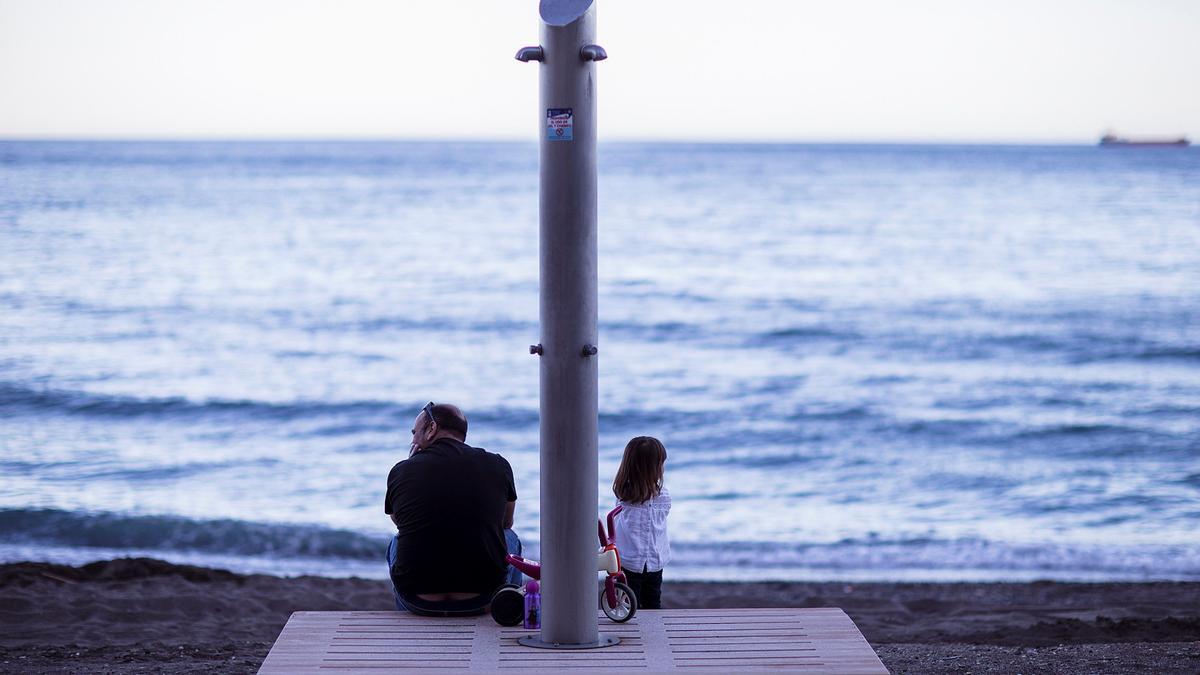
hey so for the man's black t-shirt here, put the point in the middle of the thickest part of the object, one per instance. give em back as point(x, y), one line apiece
point(449, 500)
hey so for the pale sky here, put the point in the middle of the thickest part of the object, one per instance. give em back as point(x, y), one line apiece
point(762, 70)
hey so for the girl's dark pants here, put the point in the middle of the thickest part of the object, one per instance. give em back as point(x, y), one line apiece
point(647, 586)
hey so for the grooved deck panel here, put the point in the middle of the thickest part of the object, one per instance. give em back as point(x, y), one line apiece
point(819, 640)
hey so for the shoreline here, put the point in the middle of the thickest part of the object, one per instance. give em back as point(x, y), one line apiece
point(144, 615)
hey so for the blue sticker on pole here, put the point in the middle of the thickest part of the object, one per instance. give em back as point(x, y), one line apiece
point(558, 124)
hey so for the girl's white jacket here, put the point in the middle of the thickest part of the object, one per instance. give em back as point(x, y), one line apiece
point(642, 537)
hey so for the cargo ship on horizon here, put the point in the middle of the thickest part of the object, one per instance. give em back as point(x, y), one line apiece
point(1115, 140)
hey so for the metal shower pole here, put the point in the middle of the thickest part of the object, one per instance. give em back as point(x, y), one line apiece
point(569, 409)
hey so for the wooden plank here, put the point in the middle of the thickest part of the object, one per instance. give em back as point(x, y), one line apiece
point(819, 640)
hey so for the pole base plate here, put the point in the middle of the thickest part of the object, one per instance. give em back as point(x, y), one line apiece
point(536, 641)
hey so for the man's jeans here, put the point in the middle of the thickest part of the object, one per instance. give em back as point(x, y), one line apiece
point(514, 576)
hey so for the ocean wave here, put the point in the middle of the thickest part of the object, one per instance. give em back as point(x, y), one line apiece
point(1090, 440)
point(653, 331)
point(431, 325)
point(830, 412)
point(53, 527)
point(71, 472)
point(938, 342)
point(940, 481)
point(15, 397)
point(167, 317)
point(798, 336)
point(299, 549)
point(943, 428)
point(1188, 352)
point(1073, 430)
point(935, 559)
point(331, 419)
point(807, 332)
point(1075, 348)
point(336, 430)
point(347, 417)
point(760, 460)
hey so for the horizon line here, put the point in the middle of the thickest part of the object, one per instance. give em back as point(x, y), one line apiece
point(511, 139)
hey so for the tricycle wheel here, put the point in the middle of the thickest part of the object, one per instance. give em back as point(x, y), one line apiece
point(626, 603)
point(508, 605)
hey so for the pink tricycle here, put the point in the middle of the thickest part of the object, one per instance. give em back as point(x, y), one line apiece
point(616, 599)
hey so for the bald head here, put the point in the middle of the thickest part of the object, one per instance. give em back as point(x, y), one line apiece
point(450, 421)
point(438, 421)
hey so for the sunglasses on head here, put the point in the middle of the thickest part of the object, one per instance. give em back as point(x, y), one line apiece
point(428, 410)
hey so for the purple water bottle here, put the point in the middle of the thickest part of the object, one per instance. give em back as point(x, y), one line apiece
point(533, 605)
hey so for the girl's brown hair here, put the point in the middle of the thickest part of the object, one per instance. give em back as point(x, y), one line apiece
point(640, 475)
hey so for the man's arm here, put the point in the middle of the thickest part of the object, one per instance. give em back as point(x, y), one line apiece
point(389, 495)
point(509, 509)
point(510, 488)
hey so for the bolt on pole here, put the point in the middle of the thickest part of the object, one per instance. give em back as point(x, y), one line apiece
point(568, 308)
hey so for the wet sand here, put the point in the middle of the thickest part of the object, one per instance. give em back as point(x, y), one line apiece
point(148, 616)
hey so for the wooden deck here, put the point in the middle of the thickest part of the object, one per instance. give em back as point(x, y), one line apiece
point(801, 640)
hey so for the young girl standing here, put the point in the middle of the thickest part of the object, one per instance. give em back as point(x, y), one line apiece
point(642, 523)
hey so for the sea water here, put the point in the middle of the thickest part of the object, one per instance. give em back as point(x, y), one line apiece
point(866, 362)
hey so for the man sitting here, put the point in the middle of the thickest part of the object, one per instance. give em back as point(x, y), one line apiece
point(453, 509)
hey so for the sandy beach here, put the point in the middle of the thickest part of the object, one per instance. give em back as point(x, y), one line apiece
point(144, 616)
